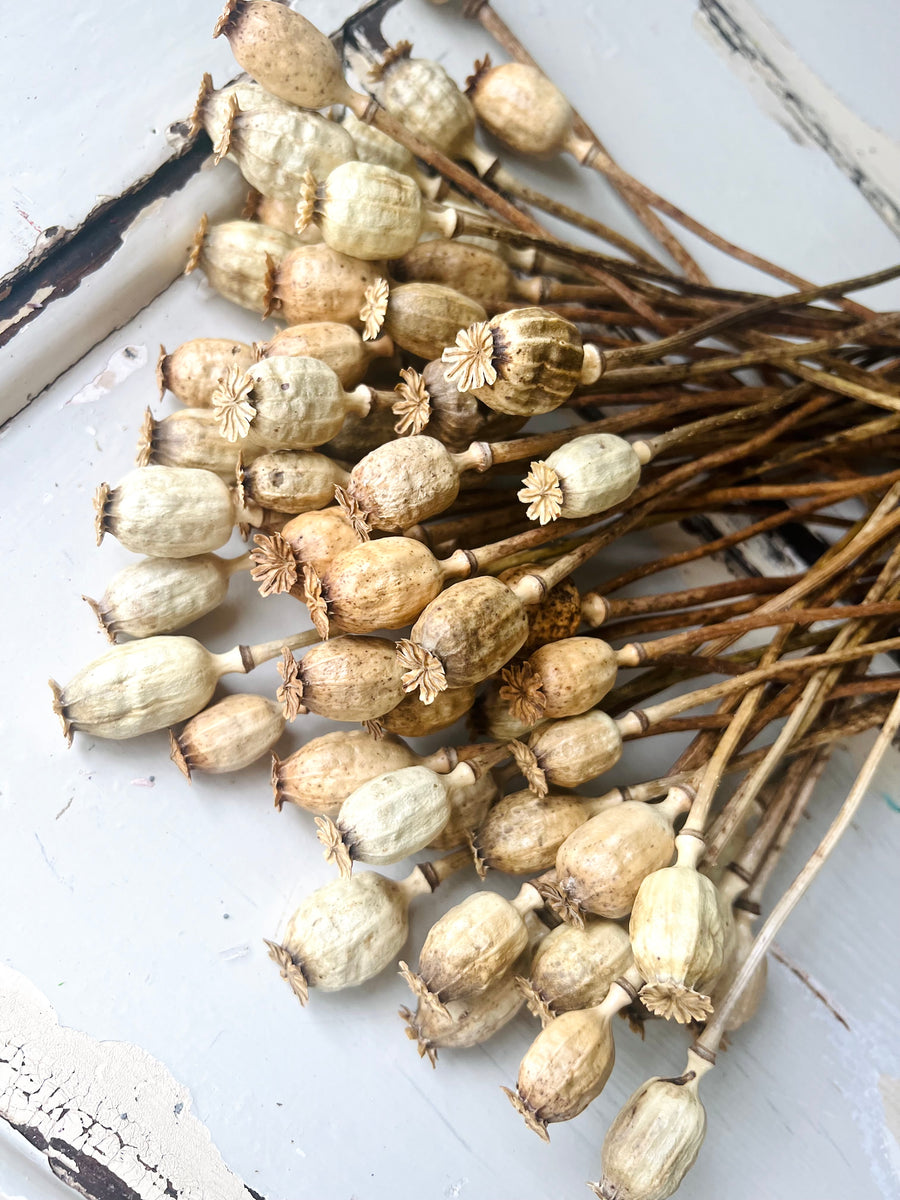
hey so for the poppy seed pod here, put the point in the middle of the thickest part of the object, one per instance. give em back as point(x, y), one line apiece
point(575, 968)
point(585, 476)
point(413, 718)
point(420, 93)
point(430, 404)
point(227, 736)
point(475, 271)
point(421, 318)
point(194, 369)
point(521, 107)
point(373, 146)
point(362, 209)
point(562, 679)
point(292, 481)
point(522, 832)
point(345, 679)
point(238, 259)
point(570, 751)
point(192, 437)
point(315, 538)
point(316, 283)
point(337, 345)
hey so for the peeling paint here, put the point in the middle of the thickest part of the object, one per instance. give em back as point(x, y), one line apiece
point(118, 367)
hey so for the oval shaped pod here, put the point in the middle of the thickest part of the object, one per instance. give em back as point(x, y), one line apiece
point(237, 256)
point(420, 93)
point(227, 736)
point(575, 968)
point(293, 481)
point(369, 211)
point(575, 749)
point(383, 584)
point(523, 832)
point(337, 345)
point(316, 283)
point(423, 318)
point(351, 678)
point(193, 370)
point(322, 774)
point(319, 537)
point(192, 437)
point(167, 512)
point(474, 271)
point(521, 107)
point(586, 476)
point(405, 482)
point(458, 418)
point(413, 718)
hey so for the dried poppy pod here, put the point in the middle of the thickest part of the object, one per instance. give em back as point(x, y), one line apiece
point(373, 146)
point(557, 615)
point(525, 361)
point(522, 832)
point(345, 679)
point(338, 346)
point(278, 214)
point(575, 968)
point(238, 259)
point(469, 804)
point(288, 403)
point(412, 718)
point(602, 864)
point(679, 936)
point(192, 437)
point(316, 283)
point(350, 929)
point(421, 318)
point(322, 774)
point(471, 946)
point(562, 679)
point(750, 998)
point(570, 751)
point(194, 369)
point(170, 512)
point(475, 271)
point(585, 476)
point(292, 481)
point(160, 595)
point(359, 436)
point(656, 1137)
point(568, 1063)
point(521, 107)
point(388, 818)
point(404, 482)
point(271, 142)
point(149, 684)
point(228, 736)
point(428, 403)
point(315, 537)
point(464, 635)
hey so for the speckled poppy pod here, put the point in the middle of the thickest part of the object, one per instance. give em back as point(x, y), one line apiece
point(475, 271)
point(350, 929)
point(160, 595)
point(525, 361)
point(315, 538)
point(192, 437)
point(427, 403)
point(556, 615)
point(569, 1062)
point(238, 259)
point(522, 833)
point(679, 936)
point(227, 736)
point(570, 751)
point(316, 283)
point(194, 369)
point(575, 968)
point(292, 481)
point(656, 1138)
point(521, 107)
point(412, 718)
point(561, 679)
point(422, 318)
point(602, 864)
point(170, 512)
point(471, 946)
point(345, 679)
point(337, 345)
point(585, 476)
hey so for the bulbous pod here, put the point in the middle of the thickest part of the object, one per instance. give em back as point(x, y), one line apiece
point(468, 1022)
point(470, 947)
point(421, 94)
point(215, 106)
point(373, 146)
point(561, 679)
point(316, 283)
point(338, 346)
point(412, 718)
point(469, 804)
point(521, 107)
point(386, 819)
point(586, 476)
point(601, 865)
point(351, 678)
point(293, 481)
point(457, 418)
point(348, 930)
point(227, 736)
point(322, 774)
point(405, 482)
point(475, 271)
point(471, 629)
point(159, 595)
point(319, 537)
point(557, 616)
point(192, 437)
point(575, 968)
point(138, 687)
point(679, 940)
point(575, 749)
point(751, 997)
point(655, 1139)
point(565, 1068)
point(287, 403)
point(359, 436)
point(235, 257)
point(279, 214)
point(423, 318)
point(167, 512)
point(284, 52)
point(366, 210)
point(522, 832)
point(193, 370)
point(381, 585)
point(525, 361)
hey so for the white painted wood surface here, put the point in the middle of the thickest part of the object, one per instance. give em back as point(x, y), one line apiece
point(137, 905)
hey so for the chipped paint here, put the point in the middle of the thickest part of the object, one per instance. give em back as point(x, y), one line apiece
point(119, 366)
point(110, 1120)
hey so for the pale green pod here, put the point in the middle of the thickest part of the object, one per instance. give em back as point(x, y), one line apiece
point(585, 476)
point(367, 211)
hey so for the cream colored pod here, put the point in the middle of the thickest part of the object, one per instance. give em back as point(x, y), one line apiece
point(238, 258)
point(471, 946)
point(364, 210)
point(570, 751)
point(420, 93)
point(192, 437)
point(315, 283)
point(575, 968)
point(292, 481)
point(569, 1062)
point(679, 937)
point(421, 318)
point(344, 679)
point(286, 403)
point(523, 832)
point(333, 343)
point(193, 370)
point(228, 736)
point(656, 1138)
point(561, 679)
point(159, 595)
point(521, 107)
point(585, 476)
point(390, 817)
point(169, 512)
